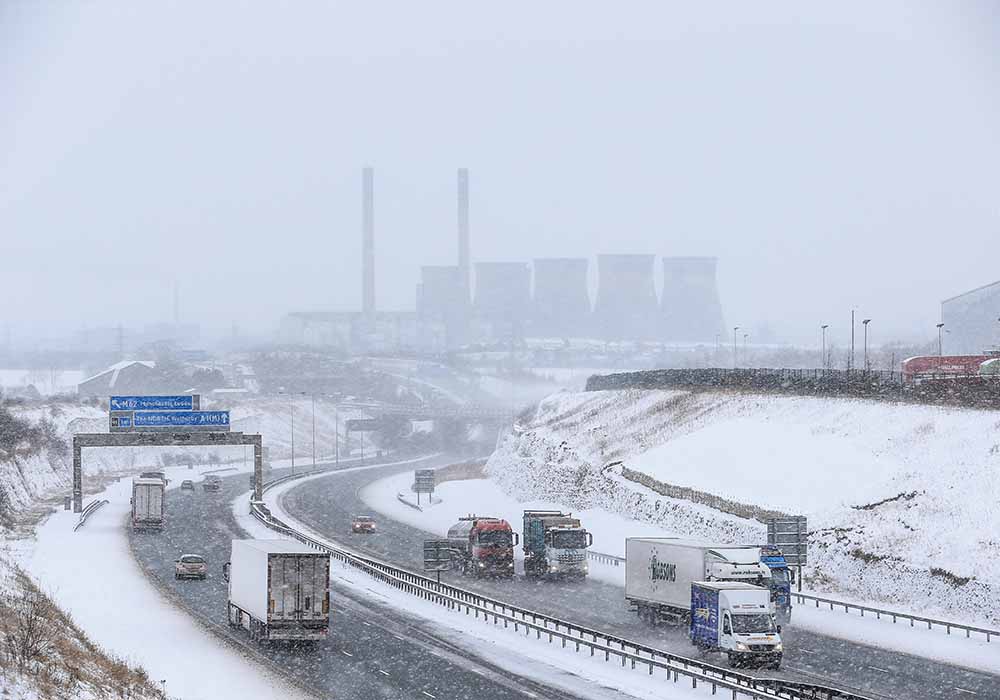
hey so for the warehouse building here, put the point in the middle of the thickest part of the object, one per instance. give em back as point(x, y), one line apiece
point(972, 321)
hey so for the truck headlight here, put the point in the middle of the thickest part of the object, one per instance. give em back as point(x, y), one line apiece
point(482, 565)
point(740, 646)
point(778, 647)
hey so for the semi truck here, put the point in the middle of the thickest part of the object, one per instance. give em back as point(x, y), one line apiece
point(659, 572)
point(147, 504)
point(278, 590)
point(782, 578)
point(735, 618)
point(483, 546)
point(555, 544)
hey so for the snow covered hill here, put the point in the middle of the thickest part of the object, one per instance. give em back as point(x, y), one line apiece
point(901, 499)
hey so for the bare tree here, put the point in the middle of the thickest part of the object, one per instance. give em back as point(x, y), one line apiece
point(26, 636)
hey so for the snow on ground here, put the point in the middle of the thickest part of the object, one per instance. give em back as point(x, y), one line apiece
point(483, 497)
point(78, 569)
point(576, 672)
point(47, 382)
point(933, 549)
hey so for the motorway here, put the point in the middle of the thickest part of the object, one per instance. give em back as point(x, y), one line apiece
point(327, 505)
point(373, 651)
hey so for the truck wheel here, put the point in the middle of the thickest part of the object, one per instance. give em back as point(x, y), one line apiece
point(732, 660)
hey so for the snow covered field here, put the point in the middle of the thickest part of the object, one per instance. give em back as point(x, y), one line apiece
point(79, 569)
point(901, 499)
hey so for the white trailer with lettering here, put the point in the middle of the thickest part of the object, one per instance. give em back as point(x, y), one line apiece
point(659, 572)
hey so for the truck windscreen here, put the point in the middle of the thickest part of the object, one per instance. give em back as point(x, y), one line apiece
point(779, 576)
point(753, 624)
point(575, 539)
point(495, 538)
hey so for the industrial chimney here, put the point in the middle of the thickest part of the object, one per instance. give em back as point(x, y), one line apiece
point(368, 244)
point(464, 265)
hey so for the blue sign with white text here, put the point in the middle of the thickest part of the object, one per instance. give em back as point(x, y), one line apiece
point(187, 402)
point(181, 419)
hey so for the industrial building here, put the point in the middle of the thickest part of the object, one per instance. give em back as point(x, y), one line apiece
point(690, 302)
point(972, 321)
point(561, 302)
point(626, 307)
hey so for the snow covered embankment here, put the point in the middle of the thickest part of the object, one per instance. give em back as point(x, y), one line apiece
point(901, 499)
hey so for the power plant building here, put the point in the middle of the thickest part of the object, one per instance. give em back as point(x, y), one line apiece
point(561, 303)
point(690, 303)
point(626, 307)
point(972, 321)
point(441, 305)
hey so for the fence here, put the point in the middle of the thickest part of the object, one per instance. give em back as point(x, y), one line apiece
point(608, 645)
point(971, 391)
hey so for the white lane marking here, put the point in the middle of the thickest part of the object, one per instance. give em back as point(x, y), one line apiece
point(530, 695)
point(366, 624)
point(399, 638)
point(806, 651)
point(428, 694)
point(384, 673)
point(880, 670)
point(963, 690)
point(346, 653)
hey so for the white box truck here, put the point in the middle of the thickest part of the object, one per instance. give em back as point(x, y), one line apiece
point(147, 504)
point(659, 572)
point(278, 590)
point(735, 618)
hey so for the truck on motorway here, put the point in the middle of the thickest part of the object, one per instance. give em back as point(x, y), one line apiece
point(659, 573)
point(782, 578)
point(555, 544)
point(735, 618)
point(924, 367)
point(278, 590)
point(483, 546)
point(147, 504)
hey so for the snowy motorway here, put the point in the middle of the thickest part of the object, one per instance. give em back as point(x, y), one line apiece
point(327, 504)
point(373, 651)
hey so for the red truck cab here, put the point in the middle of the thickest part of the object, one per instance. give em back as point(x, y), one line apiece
point(483, 546)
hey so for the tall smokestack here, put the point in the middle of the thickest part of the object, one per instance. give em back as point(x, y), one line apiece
point(368, 243)
point(464, 266)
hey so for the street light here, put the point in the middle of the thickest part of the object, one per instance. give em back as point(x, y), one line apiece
point(314, 429)
point(850, 362)
point(865, 324)
point(823, 358)
point(939, 327)
point(746, 357)
point(735, 328)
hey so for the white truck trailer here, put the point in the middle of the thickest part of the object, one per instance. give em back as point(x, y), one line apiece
point(147, 504)
point(659, 572)
point(278, 590)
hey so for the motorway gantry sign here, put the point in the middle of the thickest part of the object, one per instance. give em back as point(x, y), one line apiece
point(161, 421)
point(182, 402)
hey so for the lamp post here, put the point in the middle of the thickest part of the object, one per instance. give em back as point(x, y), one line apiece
point(850, 361)
point(336, 433)
point(314, 428)
point(939, 327)
point(865, 324)
point(735, 328)
point(746, 356)
point(291, 411)
point(823, 358)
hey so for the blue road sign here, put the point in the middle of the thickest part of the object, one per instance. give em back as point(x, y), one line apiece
point(186, 402)
point(216, 420)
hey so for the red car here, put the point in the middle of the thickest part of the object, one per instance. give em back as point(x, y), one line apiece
point(363, 524)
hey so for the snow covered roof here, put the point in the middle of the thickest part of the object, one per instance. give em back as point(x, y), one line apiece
point(116, 368)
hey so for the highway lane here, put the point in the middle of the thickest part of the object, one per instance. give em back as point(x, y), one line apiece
point(327, 505)
point(373, 651)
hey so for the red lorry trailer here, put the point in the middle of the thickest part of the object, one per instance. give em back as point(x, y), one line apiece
point(941, 366)
point(483, 546)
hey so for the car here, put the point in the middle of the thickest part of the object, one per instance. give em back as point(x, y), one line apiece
point(212, 483)
point(363, 524)
point(187, 485)
point(190, 566)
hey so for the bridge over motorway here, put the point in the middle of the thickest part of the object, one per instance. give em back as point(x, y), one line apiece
point(469, 412)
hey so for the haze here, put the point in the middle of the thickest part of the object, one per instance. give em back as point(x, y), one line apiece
point(842, 158)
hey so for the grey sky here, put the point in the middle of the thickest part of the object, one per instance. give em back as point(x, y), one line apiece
point(830, 156)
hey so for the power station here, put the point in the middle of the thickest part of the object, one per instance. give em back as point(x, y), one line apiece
point(508, 302)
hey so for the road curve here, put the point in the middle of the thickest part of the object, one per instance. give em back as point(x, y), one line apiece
point(327, 505)
point(373, 651)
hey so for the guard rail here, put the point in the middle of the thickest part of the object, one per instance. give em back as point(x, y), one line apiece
point(931, 622)
point(89, 510)
point(628, 652)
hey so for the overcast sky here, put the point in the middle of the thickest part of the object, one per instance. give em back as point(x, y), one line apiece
point(831, 156)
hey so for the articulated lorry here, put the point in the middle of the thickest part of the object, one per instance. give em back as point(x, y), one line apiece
point(735, 618)
point(278, 590)
point(782, 578)
point(148, 504)
point(483, 546)
point(555, 544)
point(659, 572)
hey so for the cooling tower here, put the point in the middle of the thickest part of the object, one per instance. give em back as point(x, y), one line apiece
point(626, 299)
point(691, 308)
point(561, 305)
point(503, 291)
